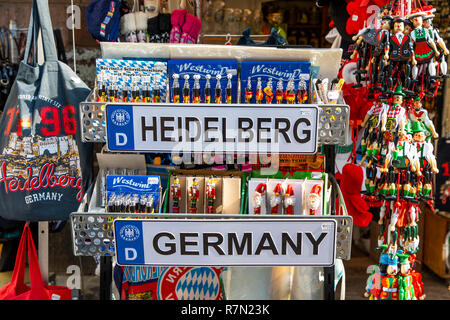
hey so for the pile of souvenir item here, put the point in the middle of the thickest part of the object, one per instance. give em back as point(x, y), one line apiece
point(401, 62)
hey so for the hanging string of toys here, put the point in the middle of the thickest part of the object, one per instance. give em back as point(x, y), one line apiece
point(400, 60)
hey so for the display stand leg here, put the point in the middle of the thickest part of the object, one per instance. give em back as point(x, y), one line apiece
point(330, 155)
point(328, 291)
point(43, 249)
point(105, 277)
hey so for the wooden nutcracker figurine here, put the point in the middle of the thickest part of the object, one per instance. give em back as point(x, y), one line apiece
point(372, 142)
point(411, 229)
point(426, 160)
point(401, 155)
point(314, 199)
point(424, 48)
point(211, 193)
point(289, 199)
point(380, 50)
point(419, 288)
point(408, 26)
point(400, 52)
point(372, 120)
point(194, 194)
point(275, 199)
point(405, 279)
point(389, 189)
point(382, 221)
point(389, 282)
point(176, 194)
point(418, 113)
point(259, 199)
point(436, 38)
point(394, 116)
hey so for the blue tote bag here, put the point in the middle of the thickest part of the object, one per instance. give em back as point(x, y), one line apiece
point(44, 167)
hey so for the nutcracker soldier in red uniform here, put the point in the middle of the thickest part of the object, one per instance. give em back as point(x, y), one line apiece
point(211, 193)
point(275, 199)
point(194, 194)
point(289, 199)
point(259, 199)
point(176, 194)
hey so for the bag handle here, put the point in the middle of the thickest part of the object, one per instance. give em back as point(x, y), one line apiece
point(17, 279)
point(37, 287)
point(38, 290)
point(31, 36)
point(40, 20)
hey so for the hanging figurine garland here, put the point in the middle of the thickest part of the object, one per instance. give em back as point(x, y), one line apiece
point(401, 60)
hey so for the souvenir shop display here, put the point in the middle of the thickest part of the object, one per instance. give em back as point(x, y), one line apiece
point(400, 62)
point(216, 187)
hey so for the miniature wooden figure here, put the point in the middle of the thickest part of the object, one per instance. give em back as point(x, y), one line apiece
point(176, 194)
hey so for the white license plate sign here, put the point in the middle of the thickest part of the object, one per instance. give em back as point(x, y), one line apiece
point(226, 242)
point(212, 128)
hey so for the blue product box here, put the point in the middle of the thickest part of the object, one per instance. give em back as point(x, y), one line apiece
point(126, 188)
point(276, 71)
point(138, 72)
point(203, 68)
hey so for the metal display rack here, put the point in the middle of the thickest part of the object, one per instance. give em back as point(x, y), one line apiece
point(333, 122)
point(93, 232)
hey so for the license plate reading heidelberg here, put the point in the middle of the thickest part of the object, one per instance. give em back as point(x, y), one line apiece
point(212, 128)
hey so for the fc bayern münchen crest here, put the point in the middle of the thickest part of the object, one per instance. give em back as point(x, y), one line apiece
point(190, 283)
